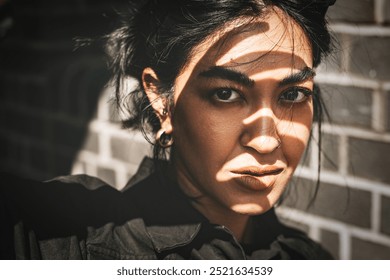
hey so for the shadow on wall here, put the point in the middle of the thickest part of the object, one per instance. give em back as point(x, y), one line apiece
point(48, 90)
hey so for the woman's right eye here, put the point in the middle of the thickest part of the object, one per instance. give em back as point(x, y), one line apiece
point(226, 95)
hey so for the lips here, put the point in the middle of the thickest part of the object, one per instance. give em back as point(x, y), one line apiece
point(257, 178)
point(258, 171)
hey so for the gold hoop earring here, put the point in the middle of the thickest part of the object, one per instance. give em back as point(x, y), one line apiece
point(163, 139)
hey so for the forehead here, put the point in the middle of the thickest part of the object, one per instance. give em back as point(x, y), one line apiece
point(272, 42)
point(276, 38)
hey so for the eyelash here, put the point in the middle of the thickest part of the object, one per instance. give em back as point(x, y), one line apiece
point(238, 97)
point(305, 91)
point(295, 90)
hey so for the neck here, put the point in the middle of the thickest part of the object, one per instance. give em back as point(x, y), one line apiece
point(237, 223)
point(214, 211)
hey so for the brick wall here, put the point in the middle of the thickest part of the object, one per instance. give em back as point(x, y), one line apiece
point(56, 116)
point(351, 212)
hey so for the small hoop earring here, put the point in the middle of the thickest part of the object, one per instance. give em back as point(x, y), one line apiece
point(163, 139)
point(165, 112)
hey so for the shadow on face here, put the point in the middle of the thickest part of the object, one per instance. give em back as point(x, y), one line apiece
point(242, 115)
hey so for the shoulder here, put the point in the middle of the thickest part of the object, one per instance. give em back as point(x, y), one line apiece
point(58, 217)
point(70, 197)
point(73, 202)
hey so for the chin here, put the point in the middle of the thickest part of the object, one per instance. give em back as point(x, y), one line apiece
point(250, 209)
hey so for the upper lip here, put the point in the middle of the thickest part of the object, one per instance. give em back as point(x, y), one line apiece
point(258, 171)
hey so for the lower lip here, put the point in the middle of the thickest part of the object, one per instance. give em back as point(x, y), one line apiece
point(256, 183)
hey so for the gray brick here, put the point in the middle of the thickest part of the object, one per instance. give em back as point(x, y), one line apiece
point(366, 250)
point(385, 215)
point(305, 160)
point(107, 175)
point(340, 203)
point(294, 224)
point(82, 165)
point(369, 56)
point(386, 11)
point(75, 83)
point(113, 112)
point(93, 85)
point(369, 159)
point(333, 62)
point(348, 105)
point(91, 142)
point(352, 11)
point(120, 148)
point(130, 151)
point(388, 111)
point(330, 154)
point(331, 241)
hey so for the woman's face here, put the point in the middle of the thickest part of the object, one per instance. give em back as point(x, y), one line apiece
point(242, 115)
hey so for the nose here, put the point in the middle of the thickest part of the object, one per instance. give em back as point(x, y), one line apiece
point(260, 132)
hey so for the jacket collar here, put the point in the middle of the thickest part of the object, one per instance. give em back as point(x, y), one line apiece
point(170, 237)
point(170, 219)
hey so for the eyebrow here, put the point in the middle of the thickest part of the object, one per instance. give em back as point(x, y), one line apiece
point(228, 74)
point(303, 75)
point(241, 78)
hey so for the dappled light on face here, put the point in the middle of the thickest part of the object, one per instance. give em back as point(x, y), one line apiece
point(259, 116)
point(233, 100)
point(287, 125)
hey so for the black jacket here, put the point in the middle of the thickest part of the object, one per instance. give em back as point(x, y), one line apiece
point(80, 217)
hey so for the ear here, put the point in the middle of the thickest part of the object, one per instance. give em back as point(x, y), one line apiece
point(150, 83)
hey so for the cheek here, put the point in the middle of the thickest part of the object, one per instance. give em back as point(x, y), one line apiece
point(205, 132)
point(294, 134)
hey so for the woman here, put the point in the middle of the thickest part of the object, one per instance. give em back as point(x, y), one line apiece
point(226, 87)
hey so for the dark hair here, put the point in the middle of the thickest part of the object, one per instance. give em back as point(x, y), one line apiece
point(161, 35)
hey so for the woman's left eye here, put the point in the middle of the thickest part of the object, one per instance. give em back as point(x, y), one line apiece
point(226, 95)
point(295, 95)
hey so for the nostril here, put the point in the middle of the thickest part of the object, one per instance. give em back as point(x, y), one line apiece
point(260, 131)
point(264, 144)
